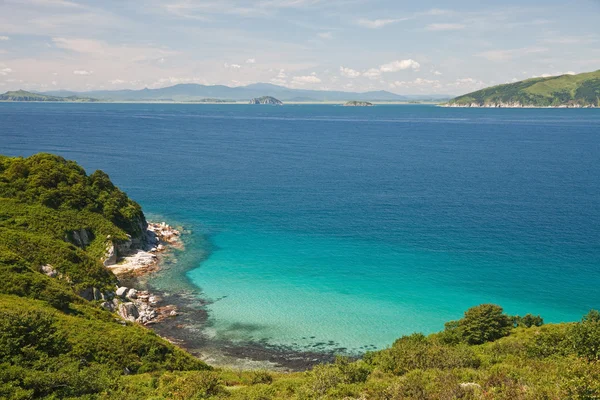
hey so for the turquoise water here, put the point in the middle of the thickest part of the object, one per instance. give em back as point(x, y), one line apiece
point(350, 226)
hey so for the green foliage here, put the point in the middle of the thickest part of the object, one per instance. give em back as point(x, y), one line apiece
point(585, 336)
point(581, 89)
point(54, 182)
point(483, 323)
point(528, 321)
point(419, 352)
point(261, 377)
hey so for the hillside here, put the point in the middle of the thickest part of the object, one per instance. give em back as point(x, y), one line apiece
point(56, 344)
point(22, 95)
point(582, 90)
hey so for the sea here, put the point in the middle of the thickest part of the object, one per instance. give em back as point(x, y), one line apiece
point(324, 227)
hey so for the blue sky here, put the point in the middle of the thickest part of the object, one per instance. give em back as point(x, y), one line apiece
point(412, 47)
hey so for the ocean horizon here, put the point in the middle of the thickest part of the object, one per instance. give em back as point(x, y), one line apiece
point(319, 227)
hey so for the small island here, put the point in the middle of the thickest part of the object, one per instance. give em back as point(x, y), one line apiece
point(266, 100)
point(358, 104)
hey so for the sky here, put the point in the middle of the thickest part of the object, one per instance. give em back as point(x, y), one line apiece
point(406, 47)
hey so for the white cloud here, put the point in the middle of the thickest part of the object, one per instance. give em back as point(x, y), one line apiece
point(325, 35)
point(349, 72)
point(251, 61)
point(399, 65)
point(437, 73)
point(372, 73)
point(4, 38)
point(445, 27)
point(5, 71)
point(301, 80)
point(377, 23)
point(117, 81)
point(82, 72)
point(232, 66)
point(418, 82)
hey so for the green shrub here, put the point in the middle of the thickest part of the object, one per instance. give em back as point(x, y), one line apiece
point(585, 336)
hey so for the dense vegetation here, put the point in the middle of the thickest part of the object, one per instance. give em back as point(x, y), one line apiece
point(22, 95)
point(54, 344)
point(563, 90)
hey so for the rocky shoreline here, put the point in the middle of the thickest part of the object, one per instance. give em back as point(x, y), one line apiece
point(134, 258)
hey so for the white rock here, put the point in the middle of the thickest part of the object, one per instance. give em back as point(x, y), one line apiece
point(122, 291)
point(49, 270)
point(131, 294)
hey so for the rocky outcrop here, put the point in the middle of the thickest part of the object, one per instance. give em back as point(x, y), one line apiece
point(128, 311)
point(110, 256)
point(139, 306)
point(80, 238)
point(49, 270)
point(266, 100)
point(131, 257)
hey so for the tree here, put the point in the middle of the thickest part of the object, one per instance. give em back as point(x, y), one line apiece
point(484, 323)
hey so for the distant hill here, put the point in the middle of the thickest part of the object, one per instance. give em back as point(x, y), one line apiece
point(195, 92)
point(582, 90)
point(22, 95)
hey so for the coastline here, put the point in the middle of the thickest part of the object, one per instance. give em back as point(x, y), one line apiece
point(181, 317)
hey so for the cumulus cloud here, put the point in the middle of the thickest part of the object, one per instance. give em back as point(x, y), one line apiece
point(376, 23)
point(437, 73)
point(251, 61)
point(399, 65)
point(82, 72)
point(4, 38)
point(372, 73)
point(445, 27)
point(349, 72)
point(117, 81)
point(326, 35)
point(301, 80)
point(5, 71)
point(232, 66)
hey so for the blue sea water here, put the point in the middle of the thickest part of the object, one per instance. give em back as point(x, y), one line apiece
point(350, 226)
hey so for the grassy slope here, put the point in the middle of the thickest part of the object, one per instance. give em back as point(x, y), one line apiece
point(582, 89)
point(54, 344)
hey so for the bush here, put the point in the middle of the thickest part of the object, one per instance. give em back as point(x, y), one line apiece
point(483, 323)
point(419, 352)
point(585, 336)
point(261, 376)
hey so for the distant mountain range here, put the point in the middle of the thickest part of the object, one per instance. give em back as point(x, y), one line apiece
point(195, 92)
point(581, 90)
